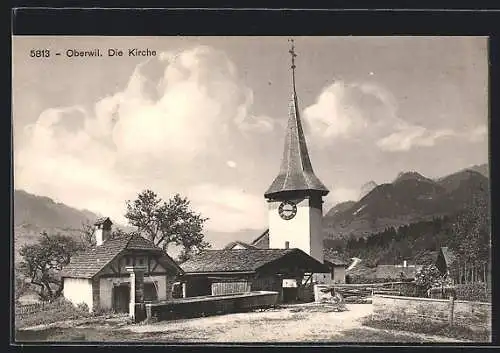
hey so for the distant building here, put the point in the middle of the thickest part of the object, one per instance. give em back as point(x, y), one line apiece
point(444, 263)
point(101, 276)
point(215, 272)
point(238, 245)
point(337, 267)
point(262, 241)
point(403, 271)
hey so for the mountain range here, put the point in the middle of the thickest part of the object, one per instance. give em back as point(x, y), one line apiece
point(409, 198)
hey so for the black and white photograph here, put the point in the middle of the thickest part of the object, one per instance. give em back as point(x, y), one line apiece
point(251, 189)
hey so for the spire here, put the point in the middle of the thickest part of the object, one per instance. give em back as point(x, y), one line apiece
point(296, 172)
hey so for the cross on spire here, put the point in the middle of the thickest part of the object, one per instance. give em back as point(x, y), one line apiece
point(293, 55)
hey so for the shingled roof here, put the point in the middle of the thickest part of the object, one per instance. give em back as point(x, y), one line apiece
point(87, 264)
point(244, 260)
point(449, 256)
point(296, 172)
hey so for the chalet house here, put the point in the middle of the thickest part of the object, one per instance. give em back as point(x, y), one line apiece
point(444, 263)
point(216, 272)
point(105, 276)
point(403, 272)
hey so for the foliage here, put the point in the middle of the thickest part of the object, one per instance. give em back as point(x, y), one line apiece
point(83, 307)
point(43, 261)
point(466, 233)
point(166, 223)
point(429, 277)
point(20, 286)
point(472, 241)
point(58, 310)
point(473, 292)
point(430, 328)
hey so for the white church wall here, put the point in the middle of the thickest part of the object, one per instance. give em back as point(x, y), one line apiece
point(316, 229)
point(295, 230)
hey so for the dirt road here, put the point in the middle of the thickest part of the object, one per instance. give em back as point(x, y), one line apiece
point(295, 323)
point(299, 323)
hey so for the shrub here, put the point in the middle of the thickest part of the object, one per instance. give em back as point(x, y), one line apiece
point(83, 307)
point(473, 292)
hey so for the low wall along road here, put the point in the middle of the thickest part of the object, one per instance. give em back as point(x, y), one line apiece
point(475, 315)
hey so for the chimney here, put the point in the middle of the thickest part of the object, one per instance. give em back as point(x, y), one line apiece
point(287, 244)
point(102, 230)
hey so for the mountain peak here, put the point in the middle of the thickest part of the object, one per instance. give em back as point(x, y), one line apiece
point(367, 188)
point(412, 175)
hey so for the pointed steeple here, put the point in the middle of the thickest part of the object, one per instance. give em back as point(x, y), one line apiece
point(296, 172)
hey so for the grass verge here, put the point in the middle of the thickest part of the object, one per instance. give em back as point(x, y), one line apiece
point(430, 328)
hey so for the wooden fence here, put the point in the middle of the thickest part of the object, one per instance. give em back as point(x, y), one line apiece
point(465, 313)
point(26, 309)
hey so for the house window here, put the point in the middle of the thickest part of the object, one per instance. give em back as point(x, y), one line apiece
point(141, 261)
point(129, 261)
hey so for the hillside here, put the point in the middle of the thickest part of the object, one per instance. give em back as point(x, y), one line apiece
point(34, 214)
point(410, 198)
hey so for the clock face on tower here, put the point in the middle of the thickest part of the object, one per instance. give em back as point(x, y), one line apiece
point(287, 210)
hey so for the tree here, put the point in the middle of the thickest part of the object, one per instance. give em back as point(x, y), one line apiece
point(166, 223)
point(43, 261)
point(472, 241)
point(429, 277)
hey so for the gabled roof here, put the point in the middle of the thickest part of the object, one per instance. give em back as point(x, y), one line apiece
point(260, 237)
point(244, 260)
point(102, 220)
point(448, 255)
point(90, 262)
point(232, 244)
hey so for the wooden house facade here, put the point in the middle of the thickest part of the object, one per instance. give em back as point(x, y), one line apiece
point(100, 277)
point(217, 272)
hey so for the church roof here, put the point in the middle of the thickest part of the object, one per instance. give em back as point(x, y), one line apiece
point(296, 172)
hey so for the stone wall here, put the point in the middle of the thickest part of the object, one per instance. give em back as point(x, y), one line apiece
point(472, 314)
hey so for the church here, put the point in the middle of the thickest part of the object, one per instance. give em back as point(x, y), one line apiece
point(290, 254)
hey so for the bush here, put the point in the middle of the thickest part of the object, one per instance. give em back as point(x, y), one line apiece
point(473, 292)
point(83, 307)
point(58, 310)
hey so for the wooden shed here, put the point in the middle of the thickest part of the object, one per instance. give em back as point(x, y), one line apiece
point(216, 272)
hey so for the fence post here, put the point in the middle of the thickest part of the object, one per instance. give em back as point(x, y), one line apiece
point(451, 308)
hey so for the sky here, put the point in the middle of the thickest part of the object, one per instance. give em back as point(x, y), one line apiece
point(206, 117)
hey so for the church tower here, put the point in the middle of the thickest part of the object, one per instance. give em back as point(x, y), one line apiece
point(295, 197)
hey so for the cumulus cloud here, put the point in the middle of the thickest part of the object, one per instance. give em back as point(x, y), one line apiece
point(240, 209)
point(367, 111)
point(175, 108)
point(412, 136)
